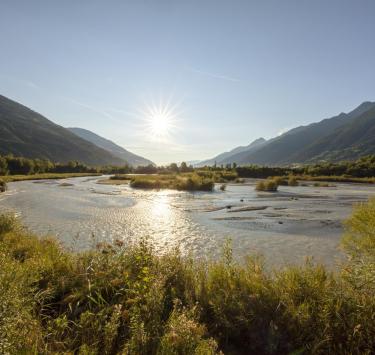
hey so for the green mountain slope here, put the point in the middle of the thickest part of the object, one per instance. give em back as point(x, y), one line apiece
point(26, 133)
point(114, 149)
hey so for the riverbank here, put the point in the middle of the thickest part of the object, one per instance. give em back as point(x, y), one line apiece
point(47, 176)
point(117, 299)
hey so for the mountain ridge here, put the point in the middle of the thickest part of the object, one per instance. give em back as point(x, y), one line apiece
point(108, 145)
point(25, 132)
point(289, 147)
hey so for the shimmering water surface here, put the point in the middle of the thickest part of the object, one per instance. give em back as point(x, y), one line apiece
point(291, 224)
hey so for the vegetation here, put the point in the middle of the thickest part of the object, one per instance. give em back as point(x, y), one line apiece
point(186, 182)
point(353, 171)
point(3, 185)
point(47, 176)
point(362, 170)
point(292, 181)
point(269, 185)
point(128, 300)
point(323, 184)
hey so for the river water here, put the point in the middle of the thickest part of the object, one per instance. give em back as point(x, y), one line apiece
point(285, 227)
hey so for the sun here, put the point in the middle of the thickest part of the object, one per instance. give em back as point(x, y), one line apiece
point(160, 121)
point(160, 124)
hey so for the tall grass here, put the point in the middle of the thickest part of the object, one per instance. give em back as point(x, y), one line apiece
point(128, 300)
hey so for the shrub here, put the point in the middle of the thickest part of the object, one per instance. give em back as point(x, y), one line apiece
point(3, 186)
point(267, 185)
point(322, 184)
point(292, 181)
point(280, 181)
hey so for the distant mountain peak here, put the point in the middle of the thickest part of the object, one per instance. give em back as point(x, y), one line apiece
point(363, 107)
point(256, 142)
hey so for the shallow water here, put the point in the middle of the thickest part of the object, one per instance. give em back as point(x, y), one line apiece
point(288, 226)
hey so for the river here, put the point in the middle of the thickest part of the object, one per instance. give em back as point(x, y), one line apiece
point(285, 227)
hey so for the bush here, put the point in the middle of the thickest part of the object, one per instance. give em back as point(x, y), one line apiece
point(322, 184)
point(292, 181)
point(267, 185)
point(3, 186)
point(280, 180)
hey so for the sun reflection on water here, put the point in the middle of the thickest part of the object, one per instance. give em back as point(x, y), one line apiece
point(161, 207)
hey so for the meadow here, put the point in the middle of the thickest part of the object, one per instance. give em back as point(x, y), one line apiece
point(129, 300)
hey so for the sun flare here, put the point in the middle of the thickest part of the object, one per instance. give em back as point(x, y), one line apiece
point(160, 124)
point(160, 121)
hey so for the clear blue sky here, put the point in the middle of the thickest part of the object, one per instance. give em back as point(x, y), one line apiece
point(236, 70)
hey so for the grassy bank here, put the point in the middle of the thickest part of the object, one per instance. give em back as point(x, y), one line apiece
point(182, 182)
point(362, 180)
point(117, 300)
point(12, 178)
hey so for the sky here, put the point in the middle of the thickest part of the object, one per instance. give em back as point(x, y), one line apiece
point(223, 72)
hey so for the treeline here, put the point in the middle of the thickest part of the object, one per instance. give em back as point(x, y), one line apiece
point(363, 167)
point(11, 165)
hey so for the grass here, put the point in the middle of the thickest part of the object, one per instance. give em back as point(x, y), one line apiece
point(128, 300)
point(12, 178)
point(182, 182)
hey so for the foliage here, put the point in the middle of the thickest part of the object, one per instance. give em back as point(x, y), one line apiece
point(126, 299)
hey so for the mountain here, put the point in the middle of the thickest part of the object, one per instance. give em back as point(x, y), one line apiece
point(348, 142)
point(26, 133)
point(345, 136)
point(225, 158)
point(111, 147)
